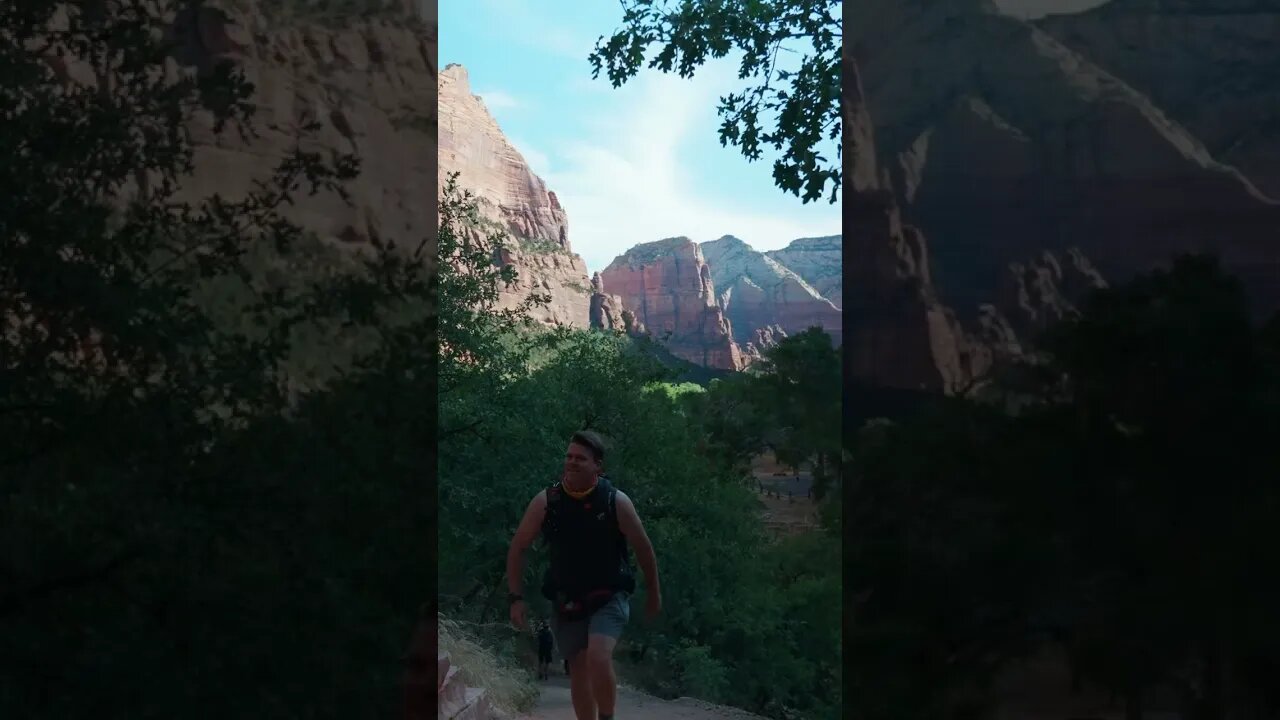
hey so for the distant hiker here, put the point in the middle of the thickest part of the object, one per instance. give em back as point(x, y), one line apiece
point(545, 643)
point(587, 523)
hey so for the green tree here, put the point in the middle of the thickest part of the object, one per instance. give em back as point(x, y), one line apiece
point(734, 422)
point(478, 340)
point(792, 111)
point(799, 383)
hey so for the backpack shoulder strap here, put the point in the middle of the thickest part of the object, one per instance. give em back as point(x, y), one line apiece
point(555, 494)
point(611, 499)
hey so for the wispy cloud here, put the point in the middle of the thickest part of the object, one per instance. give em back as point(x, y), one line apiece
point(627, 181)
point(533, 27)
point(498, 100)
point(539, 162)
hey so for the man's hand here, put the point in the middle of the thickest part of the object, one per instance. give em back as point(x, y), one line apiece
point(518, 615)
point(653, 606)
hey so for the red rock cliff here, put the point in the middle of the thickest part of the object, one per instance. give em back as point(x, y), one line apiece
point(667, 286)
point(516, 200)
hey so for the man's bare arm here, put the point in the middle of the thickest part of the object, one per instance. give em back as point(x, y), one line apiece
point(526, 533)
point(633, 529)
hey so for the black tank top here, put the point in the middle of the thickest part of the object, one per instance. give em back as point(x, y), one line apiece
point(588, 550)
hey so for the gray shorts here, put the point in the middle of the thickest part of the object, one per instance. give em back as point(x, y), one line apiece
point(608, 620)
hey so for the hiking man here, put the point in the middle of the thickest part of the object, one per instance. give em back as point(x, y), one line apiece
point(587, 523)
point(545, 643)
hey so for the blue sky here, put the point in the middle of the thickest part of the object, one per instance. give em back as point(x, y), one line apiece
point(630, 165)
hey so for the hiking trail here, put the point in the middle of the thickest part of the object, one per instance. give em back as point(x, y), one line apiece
point(554, 704)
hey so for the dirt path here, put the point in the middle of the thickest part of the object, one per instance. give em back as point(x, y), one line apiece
point(554, 704)
point(784, 495)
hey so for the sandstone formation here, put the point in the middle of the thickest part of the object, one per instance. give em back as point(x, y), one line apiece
point(668, 287)
point(1045, 290)
point(516, 200)
point(1007, 144)
point(472, 143)
point(609, 313)
point(1212, 65)
point(820, 261)
point(762, 338)
point(755, 291)
point(371, 87)
point(900, 334)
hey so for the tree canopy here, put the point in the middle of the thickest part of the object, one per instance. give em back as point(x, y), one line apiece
point(793, 111)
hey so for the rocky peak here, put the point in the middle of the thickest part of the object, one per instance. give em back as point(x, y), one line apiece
point(516, 201)
point(1212, 65)
point(1011, 142)
point(472, 143)
point(731, 241)
point(820, 261)
point(757, 291)
point(651, 251)
point(1116, 8)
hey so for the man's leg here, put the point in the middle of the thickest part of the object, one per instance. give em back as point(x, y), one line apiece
point(604, 683)
point(571, 637)
point(584, 703)
point(603, 633)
